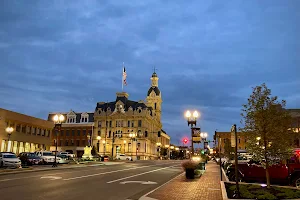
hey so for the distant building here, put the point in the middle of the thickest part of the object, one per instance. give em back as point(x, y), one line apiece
point(30, 134)
point(295, 126)
point(75, 131)
point(223, 137)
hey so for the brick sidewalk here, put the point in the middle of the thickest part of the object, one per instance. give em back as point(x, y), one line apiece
point(206, 187)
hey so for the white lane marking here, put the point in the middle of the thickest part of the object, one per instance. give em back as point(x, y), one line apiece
point(141, 182)
point(144, 197)
point(51, 177)
point(67, 179)
point(138, 174)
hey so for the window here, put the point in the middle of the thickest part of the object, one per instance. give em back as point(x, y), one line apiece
point(28, 129)
point(72, 142)
point(78, 133)
point(119, 123)
point(109, 133)
point(77, 143)
point(67, 132)
point(73, 132)
point(239, 140)
point(84, 132)
point(99, 133)
point(18, 127)
point(155, 106)
point(83, 142)
point(23, 129)
point(110, 123)
point(62, 132)
point(99, 124)
point(34, 130)
point(38, 131)
point(140, 123)
point(132, 124)
point(43, 132)
point(118, 133)
point(66, 143)
point(48, 133)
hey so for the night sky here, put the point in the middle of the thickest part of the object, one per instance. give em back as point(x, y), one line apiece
point(61, 55)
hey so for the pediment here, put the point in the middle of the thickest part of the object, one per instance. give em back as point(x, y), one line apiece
point(71, 113)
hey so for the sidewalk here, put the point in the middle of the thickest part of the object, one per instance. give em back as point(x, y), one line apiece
point(206, 187)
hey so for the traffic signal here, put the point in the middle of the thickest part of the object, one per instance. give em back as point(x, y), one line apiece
point(185, 140)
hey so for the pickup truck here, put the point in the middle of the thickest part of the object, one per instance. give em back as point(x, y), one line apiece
point(287, 174)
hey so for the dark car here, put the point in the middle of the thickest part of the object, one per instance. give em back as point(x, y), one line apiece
point(28, 158)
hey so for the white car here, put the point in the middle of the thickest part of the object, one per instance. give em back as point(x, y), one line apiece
point(123, 157)
point(67, 154)
point(9, 160)
point(47, 157)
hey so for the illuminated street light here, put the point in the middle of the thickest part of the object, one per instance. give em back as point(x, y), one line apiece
point(192, 120)
point(258, 138)
point(58, 120)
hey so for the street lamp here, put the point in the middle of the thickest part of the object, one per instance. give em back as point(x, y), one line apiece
point(9, 131)
point(132, 136)
point(98, 144)
point(192, 120)
point(58, 119)
point(158, 144)
point(124, 145)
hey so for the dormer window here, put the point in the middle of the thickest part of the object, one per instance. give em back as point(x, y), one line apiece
point(71, 119)
point(84, 118)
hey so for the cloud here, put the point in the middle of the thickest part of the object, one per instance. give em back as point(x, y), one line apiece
point(58, 55)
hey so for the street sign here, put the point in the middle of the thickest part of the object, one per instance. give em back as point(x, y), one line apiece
point(140, 182)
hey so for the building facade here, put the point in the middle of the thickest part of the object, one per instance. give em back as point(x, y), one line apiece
point(221, 138)
point(295, 127)
point(131, 127)
point(75, 133)
point(29, 133)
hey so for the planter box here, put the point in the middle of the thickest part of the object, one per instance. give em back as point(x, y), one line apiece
point(224, 191)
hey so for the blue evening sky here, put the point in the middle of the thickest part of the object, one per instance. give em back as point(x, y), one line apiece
point(61, 55)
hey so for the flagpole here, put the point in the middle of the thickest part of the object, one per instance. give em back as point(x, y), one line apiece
point(122, 77)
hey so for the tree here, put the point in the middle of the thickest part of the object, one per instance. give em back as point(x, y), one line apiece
point(93, 151)
point(228, 150)
point(266, 123)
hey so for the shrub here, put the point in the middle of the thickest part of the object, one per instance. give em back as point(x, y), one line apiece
point(189, 165)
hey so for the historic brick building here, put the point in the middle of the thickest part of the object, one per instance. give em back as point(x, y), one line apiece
point(75, 131)
point(222, 138)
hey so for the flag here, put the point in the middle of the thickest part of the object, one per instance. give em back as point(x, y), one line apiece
point(124, 76)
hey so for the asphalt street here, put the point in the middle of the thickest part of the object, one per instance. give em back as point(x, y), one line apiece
point(111, 182)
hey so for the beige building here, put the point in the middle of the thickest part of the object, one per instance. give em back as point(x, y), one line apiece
point(29, 133)
point(223, 137)
point(131, 127)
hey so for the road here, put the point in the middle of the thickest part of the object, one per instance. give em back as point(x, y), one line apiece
point(112, 182)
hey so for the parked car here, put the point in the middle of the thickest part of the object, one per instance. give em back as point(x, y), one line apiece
point(67, 154)
point(254, 172)
point(64, 159)
point(123, 157)
point(8, 159)
point(47, 157)
point(28, 158)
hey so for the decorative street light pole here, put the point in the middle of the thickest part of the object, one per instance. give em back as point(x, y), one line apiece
point(203, 137)
point(168, 150)
point(58, 119)
point(132, 136)
point(192, 120)
point(172, 147)
point(9, 131)
point(98, 144)
point(158, 144)
point(124, 145)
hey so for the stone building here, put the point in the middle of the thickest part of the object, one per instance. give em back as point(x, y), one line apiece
point(29, 133)
point(131, 127)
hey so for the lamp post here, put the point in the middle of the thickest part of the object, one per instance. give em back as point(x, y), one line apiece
point(98, 143)
point(158, 144)
point(124, 145)
point(168, 153)
point(58, 119)
point(203, 137)
point(9, 131)
point(171, 147)
point(192, 120)
point(132, 136)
